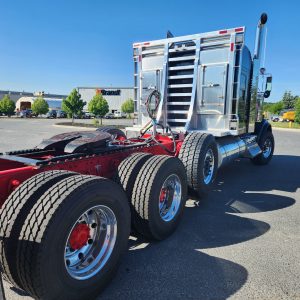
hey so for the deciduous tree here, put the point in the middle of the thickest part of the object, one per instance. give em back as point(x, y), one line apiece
point(7, 106)
point(40, 106)
point(98, 106)
point(128, 107)
point(73, 104)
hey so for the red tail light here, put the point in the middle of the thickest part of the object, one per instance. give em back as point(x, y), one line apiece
point(239, 29)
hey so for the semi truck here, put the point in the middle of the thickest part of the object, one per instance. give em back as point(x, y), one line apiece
point(69, 204)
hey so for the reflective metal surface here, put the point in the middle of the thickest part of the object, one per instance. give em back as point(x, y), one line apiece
point(170, 198)
point(89, 258)
point(208, 168)
point(267, 148)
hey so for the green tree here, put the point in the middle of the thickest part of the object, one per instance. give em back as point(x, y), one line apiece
point(277, 107)
point(297, 110)
point(98, 106)
point(40, 106)
point(288, 100)
point(73, 105)
point(7, 106)
point(128, 107)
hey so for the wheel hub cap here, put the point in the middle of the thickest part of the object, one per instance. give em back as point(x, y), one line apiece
point(79, 236)
point(208, 168)
point(170, 198)
point(90, 242)
point(267, 148)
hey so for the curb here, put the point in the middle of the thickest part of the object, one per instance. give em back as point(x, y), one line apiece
point(74, 127)
point(286, 129)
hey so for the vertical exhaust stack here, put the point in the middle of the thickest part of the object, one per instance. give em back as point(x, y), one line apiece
point(260, 33)
point(256, 102)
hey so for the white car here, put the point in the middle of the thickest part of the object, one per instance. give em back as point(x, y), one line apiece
point(120, 115)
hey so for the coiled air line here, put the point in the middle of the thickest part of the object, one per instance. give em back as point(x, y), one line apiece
point(152, 103)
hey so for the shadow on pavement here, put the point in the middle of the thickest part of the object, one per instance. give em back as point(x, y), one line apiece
point(176, 268)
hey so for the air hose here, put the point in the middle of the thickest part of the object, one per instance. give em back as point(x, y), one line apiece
point(152, 107)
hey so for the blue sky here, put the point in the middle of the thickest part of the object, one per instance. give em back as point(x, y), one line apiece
point(57, 45)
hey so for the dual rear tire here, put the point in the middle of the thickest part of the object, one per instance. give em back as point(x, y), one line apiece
point(69, 237)
point(156, 187)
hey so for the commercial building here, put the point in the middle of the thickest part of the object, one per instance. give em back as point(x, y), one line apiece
point(115, 96)
point(26, 102)
point(15, 95)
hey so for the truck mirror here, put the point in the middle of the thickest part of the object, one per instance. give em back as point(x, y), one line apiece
point(268, 88)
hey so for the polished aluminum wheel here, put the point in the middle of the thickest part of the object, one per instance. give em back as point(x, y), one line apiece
point(267, 148)
point(170, 198)
point(90, 242)
point(208, 168)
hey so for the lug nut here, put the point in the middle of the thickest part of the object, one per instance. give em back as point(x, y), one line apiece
point(80, 255)
point(90, 241)
point(94, 225)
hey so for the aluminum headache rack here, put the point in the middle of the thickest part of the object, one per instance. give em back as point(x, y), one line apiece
point(198, 77)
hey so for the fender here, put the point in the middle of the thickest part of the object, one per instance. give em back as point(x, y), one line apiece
point(261, 128)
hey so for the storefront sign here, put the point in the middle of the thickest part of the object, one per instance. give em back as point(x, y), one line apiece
point(108, 92)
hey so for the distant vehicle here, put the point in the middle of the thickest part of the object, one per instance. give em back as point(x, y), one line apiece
point(61, 114)
point(275, 118)
point(52, 114)
point(288, 116)
point(26, 113)
point(120, 115)
point(86, 115)
point(109, 116)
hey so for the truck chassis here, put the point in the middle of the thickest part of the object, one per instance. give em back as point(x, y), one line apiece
point(67, 206)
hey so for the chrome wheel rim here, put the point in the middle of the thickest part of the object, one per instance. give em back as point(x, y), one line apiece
point(208, 168)
point(267, 148)
point(90, 242)
point(170, 198)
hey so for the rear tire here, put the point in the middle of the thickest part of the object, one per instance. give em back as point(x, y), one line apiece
point(57, 262)
point(14, 212)
point(128, 171)
point(199, 155)
point(267, 145)
point(158, 197)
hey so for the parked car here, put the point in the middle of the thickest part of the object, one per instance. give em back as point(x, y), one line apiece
point(109, 116)
point(86, 115)
point(61, 114)
point(52, 114)
point(26, 113)
point(120, 115)
point(275, 118)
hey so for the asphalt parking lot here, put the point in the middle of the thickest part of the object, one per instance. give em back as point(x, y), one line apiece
point(241, 241)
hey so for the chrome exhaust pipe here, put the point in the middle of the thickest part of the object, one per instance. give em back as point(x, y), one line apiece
point(229, 149)
point(260, 32)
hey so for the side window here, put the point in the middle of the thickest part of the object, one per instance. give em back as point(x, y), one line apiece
point(213, 88)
